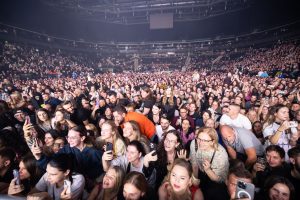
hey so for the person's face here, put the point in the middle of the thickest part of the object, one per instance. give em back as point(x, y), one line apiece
point(144, 94)
point(55, 176)
point(20, 116)
point(168, 92)
point(183, 113)
point(42, 116)
point(155, 110)
point(57, 145)
point(85, 104)
point(132, 154)
point(204, 141)
point(185, 125)
point(108, 112)
point(170, 142)
point(295, 107)
point(128, 131)
point(282, 114)
point(164, 124)
point(274, 159)
point(59, 116)
point(192, 107)
point(45, 97)
point(69, 108)
point(257, 127)
point(265, 110)
point(232, 183)
point(228, 136)
point(109, 179)
point(210, 123)
point(74, 138)
point(214, 105)
point(279, 192)
point(253, 99)
point(112, 99)
point(232, 110)
point(106, 132)
point(24, 174)
point(252, 116)
point(205, 116)
point(130, 192)
point(49, 140)
point(179, 179)
point(119, 118)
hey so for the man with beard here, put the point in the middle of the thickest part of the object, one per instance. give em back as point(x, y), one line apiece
point(163, 127)
point(294, 175)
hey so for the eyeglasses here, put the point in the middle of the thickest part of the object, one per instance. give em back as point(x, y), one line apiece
point(170, 141)
point(203, 140)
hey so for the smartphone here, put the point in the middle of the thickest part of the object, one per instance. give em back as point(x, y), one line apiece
point(27, 118)
point(67, 184)
point(153, 148)
point(16, 175)
point(109, 146)
point(244, 190)
point(97, 102)
point(261, 161)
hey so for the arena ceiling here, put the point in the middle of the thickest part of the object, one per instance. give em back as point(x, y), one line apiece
point(129, 12)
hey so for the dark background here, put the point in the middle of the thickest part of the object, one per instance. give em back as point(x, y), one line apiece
point(34, 15)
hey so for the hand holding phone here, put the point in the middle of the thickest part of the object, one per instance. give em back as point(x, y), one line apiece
point(109, 146)
point(153, 148)
point(67, 185)
point(17, 176)
point(244, 190)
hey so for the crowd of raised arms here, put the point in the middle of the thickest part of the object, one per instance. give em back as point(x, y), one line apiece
point(231, 132)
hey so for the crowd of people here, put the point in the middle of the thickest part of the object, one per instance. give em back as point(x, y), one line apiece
point(206, 133)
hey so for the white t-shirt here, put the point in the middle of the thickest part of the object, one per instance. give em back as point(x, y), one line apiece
point(77, 187)
point(241, 121)
point(159, 131)
point(284, 140)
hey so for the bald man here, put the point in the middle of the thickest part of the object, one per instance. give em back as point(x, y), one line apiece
point(241, 144)
point(235, 118)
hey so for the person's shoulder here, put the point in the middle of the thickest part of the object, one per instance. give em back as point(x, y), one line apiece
point(78, 178)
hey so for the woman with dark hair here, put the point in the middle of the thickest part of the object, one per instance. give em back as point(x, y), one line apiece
point(60, 173)
point(277, 188)
point(29, 176)
point(167, 151)
point(136, 187)
point(186, 133)
point(279, 130)
point(206, 114)
point(43, 119)
point(60, 123)
point(147, 100)
point(109, 187)
point(132, 161)
point(155, 113)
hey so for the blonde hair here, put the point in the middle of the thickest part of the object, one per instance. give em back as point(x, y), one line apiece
point(165, 99)
point(211, 132)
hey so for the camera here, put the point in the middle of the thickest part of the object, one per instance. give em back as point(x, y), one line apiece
point(244, 190)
